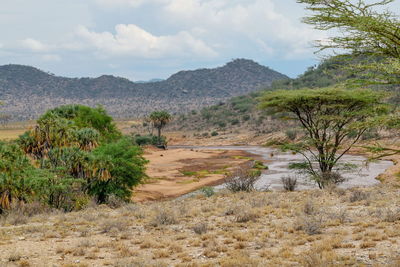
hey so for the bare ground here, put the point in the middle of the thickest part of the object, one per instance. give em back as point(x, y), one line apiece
point(176, 172)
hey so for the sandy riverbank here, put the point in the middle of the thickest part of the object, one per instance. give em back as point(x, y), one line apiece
point(175, 172)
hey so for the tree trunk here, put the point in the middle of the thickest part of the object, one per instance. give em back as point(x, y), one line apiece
point(159, 136)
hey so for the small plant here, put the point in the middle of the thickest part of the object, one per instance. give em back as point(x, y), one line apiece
point(164, 217)
point(208, 191)
point(289, 183)
point(214, 133)
point(243, 179)
point(245, 216)
point(392, 215)
point(309, 208)
point(114, 202)
point(259, 165)
point(309, 224)
point(291, 134)
point(200, 228)
point(358, 195)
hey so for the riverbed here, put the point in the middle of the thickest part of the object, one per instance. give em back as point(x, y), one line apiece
point(361, 174)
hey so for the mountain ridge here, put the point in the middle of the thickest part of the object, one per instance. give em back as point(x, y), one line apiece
point(28, 91)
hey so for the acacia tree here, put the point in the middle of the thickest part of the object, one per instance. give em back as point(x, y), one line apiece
point(361, 28)
point(160, 119)
point(333, 119)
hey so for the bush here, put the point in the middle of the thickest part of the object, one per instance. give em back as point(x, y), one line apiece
point(208, 191)
point(214, 133)
point(164, 217)
point(289, 183)
point(328, 178)
point(309, 224)
point(246, 117)
point(242, 180)
point(144, 140)
point(221, 124)
point(291, 134)
point(200, 228)
point(234, 122)
point(358, 195)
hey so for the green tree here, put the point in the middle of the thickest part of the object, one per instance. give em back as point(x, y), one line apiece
point(361, 28)
point(15, 170)
point(333, 119)
point(160, 119)
point(126, 167)
point(87, 117)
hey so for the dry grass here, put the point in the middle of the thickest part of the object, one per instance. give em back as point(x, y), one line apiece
point(306, 228)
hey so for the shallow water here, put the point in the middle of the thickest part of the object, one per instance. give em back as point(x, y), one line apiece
point(278, 162)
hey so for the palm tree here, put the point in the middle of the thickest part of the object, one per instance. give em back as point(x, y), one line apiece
point(159, 120)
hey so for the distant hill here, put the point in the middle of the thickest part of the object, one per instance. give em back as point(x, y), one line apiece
point(27, 92)
point(241, 112)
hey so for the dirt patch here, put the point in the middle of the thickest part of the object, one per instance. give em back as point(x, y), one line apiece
point(176, 172)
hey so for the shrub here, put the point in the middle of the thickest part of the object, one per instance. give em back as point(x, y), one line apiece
point(234, 122)
point(214, 133)
point(143, 140)
point(291, 134)
point(208, 191)
point(246, 117)
point(358, 195)
point(164, 217)
point(309, 224)
point(245, 216)
point(200, 228)
point(309, 208)
point(289, 183)
point(242, 179)
point(328, 178)
point(221, 124)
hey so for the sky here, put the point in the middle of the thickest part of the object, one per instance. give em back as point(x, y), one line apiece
point(145, 39)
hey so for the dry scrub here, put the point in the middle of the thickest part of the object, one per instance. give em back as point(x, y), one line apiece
point(309, 228)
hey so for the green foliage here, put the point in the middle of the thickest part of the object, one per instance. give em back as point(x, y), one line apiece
point(86, 117)
point(126, 169)
point(143, 140)
point(291, 134)
point(81, 154)
point(15, 171)
point(330, 117)
point(159, 120)
point(214, 133)
point(259, 165)
point(208, 191)
point(57, 190)
point(360, 26)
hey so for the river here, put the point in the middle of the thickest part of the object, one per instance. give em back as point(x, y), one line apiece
point(362, 174)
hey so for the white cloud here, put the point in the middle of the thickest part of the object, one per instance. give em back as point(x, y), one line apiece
point(131, 40)
point(35, 45)
point(217, 22)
